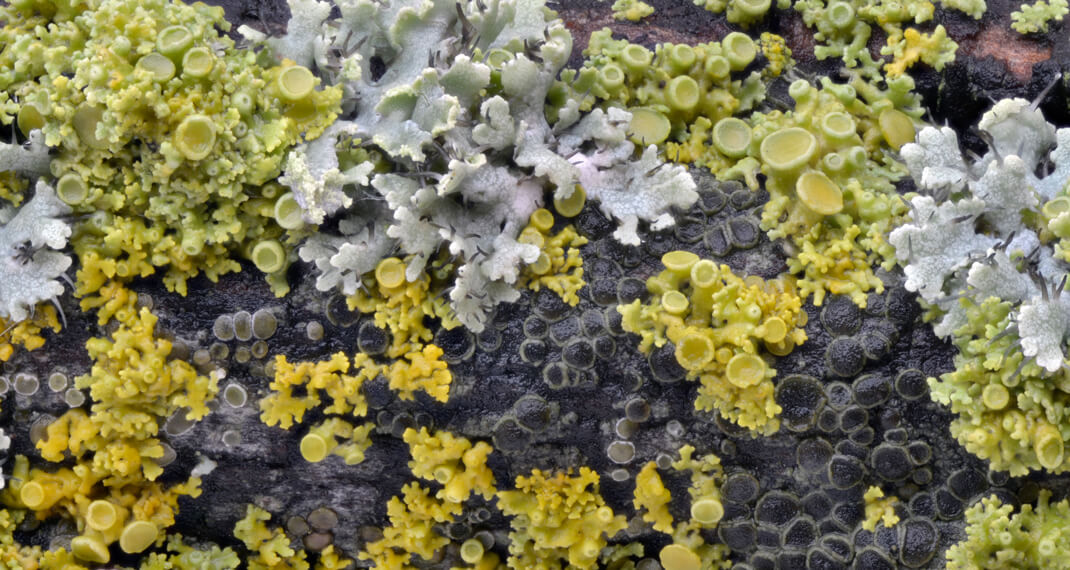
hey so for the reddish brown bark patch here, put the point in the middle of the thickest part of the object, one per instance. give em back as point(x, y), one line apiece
point(1015, 52)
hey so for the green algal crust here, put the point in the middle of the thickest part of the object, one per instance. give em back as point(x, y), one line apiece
point(631, 10)
point(1033, 18)
point(843, 28)
point(1036, 537)
point(161, 129)
point(463, 140)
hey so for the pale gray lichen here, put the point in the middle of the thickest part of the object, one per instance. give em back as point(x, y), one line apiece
point(983, 230)
point(453, 97)
point(29, 159)
point(29, 262)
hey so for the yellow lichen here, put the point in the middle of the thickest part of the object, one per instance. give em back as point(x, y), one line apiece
point(652, 496)
point(718, 323)
point(100, 508)
point(558, 517)
point(400, 306)
point(454, 462)
point(27, 333)
point(322, 440)
point(559, 266)
point(270, 546)
point(318, 380)
point(133, 383)
point(879, 509)
point(411, 530)
point(419, 369)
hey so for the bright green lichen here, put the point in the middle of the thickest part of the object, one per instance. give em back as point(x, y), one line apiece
point(843, 28)
point(1033, 18)
point(1015, 434)
point(829, 179)
point(162, 130)
point(1034, 538)
point(742, 12)
point(631, 10)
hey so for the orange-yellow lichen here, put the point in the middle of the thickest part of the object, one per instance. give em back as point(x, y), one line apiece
point(101, 511)
point(652, 496)
point(454, 462)
point(27, 333)
point(323, 440)
point(400, 306)
point(411, 530)
point(558, 517)
point(559, 266)
point(879, 509)
point(270, 546)
point(317, 380)
point(133, 383)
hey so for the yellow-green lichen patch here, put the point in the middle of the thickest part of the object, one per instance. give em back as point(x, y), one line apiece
point(172, 131)
point(558, 517)
point(719, 324)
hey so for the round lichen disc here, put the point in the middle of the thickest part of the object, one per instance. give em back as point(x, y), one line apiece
point(755, 8)
point(819, 193)
point(679, 557)
point(85, 123)
point(313, 448)
point(295, 83)
point(694, 351)
point(90, 549)
point(174, 40)
point(707, 511)
point(269, 256)
point(71, 189)
point(30, 118)
point(732, 136)
point(137, 536)
point(648, 126)
point(745, 370)
point(572, 205)
point(838, 126)
point(198, 62)
point(739, 49)
point(898, 128)
point(775, 330)
point(101, 515)
point(32, 494)
point(682, 93)
point(195, 137)
point(390, 272)
point(788, 149)
point(704, 273)
point(995, 396)
point(288, 212)
point(472, 551)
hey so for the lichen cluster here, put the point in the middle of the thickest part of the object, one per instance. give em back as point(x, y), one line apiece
point(502, 267)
